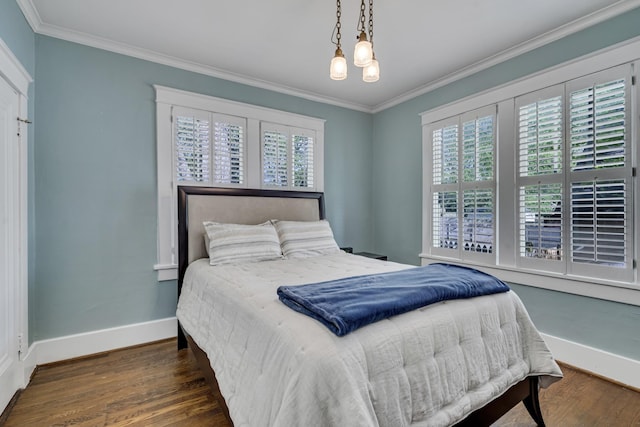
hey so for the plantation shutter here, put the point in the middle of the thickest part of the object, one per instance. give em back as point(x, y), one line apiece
point(463, 184)
point(210, 148)
point(275, 155)
point(229, 142)
point(478, 183)
point(601, 228)
point(302, 149)
point(444, 220)
point(192, 147)
point(540, 148)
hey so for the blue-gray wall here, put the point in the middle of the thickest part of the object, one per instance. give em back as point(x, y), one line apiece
point(95, 189)
point(397, 183)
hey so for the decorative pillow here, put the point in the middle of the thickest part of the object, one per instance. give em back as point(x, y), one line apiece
point(238, 243)
point(302, 239)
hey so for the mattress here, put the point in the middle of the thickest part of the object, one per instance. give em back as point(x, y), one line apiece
point(429, 367)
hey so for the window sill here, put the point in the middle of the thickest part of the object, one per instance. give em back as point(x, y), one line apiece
point(166, 272)
point(627, 293)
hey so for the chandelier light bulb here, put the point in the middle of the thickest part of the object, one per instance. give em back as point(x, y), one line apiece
point(363, 53)
point(371, 73)
point(338, 69)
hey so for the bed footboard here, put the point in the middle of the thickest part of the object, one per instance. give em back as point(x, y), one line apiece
point(525, 391)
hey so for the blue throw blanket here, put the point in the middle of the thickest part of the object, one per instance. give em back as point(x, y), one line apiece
point(345, 305)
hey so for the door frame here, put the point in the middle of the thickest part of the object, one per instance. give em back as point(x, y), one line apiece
point(12, 71)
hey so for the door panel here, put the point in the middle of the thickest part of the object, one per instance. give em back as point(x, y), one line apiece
point(10, 379)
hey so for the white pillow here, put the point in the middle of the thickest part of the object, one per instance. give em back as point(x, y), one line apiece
point(302, 239)
point(238, 243)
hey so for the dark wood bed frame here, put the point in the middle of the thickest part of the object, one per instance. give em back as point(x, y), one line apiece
point(525, 391)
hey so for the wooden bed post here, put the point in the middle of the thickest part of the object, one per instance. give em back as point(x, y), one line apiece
point(532, 402)
point(183, 248)
point(182, 339)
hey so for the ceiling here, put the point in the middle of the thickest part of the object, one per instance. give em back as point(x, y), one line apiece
point(285, 45)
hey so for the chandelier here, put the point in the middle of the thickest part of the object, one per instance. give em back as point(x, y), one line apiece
point(363, 55)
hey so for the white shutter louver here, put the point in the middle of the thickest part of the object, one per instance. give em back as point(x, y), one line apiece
point(302, 155)
point(599, 223)
point(598, 126)
point(540, 218)
point(478, 220)
point(274, 158)
point(477, 143)
point(192, 149)
point(445, 220)
point(540, 137)
point(229, 151)
point(445, 155)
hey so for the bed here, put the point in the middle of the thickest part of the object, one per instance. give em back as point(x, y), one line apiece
point(462, 362)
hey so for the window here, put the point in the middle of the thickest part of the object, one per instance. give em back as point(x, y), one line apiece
point(214, 142)
point(463, 185)
point(287, 157)
point(590, 235)
point(209, 148)
point(539, 179)
point(539, 183)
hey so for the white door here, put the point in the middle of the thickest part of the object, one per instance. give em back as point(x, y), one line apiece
point(10, 378)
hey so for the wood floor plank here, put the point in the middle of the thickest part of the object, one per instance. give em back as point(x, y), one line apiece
point(156, 385)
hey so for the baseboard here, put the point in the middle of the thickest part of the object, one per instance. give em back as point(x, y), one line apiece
point(29, 362)
point(608, 365)
point(78, 345)
point(615, 367)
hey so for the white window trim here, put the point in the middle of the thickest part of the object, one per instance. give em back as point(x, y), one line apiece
point(166, 99)
point(626, 52)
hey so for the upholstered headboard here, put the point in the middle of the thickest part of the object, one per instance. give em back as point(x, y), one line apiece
point(238, 206)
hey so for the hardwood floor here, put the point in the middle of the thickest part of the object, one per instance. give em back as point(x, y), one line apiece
point(155, 385)
point(150, 385)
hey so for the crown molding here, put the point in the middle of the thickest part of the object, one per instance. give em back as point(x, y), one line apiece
point(31, 14)
point(586, 21)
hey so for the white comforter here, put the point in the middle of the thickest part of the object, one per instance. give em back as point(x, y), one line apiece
point(429, 367)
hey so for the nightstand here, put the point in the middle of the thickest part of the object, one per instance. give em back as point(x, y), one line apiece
point(372, 255)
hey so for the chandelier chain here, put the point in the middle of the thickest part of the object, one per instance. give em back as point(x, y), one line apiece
point(371, 22)
point(338, 24)
point(362, 25)
point(336, 29)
